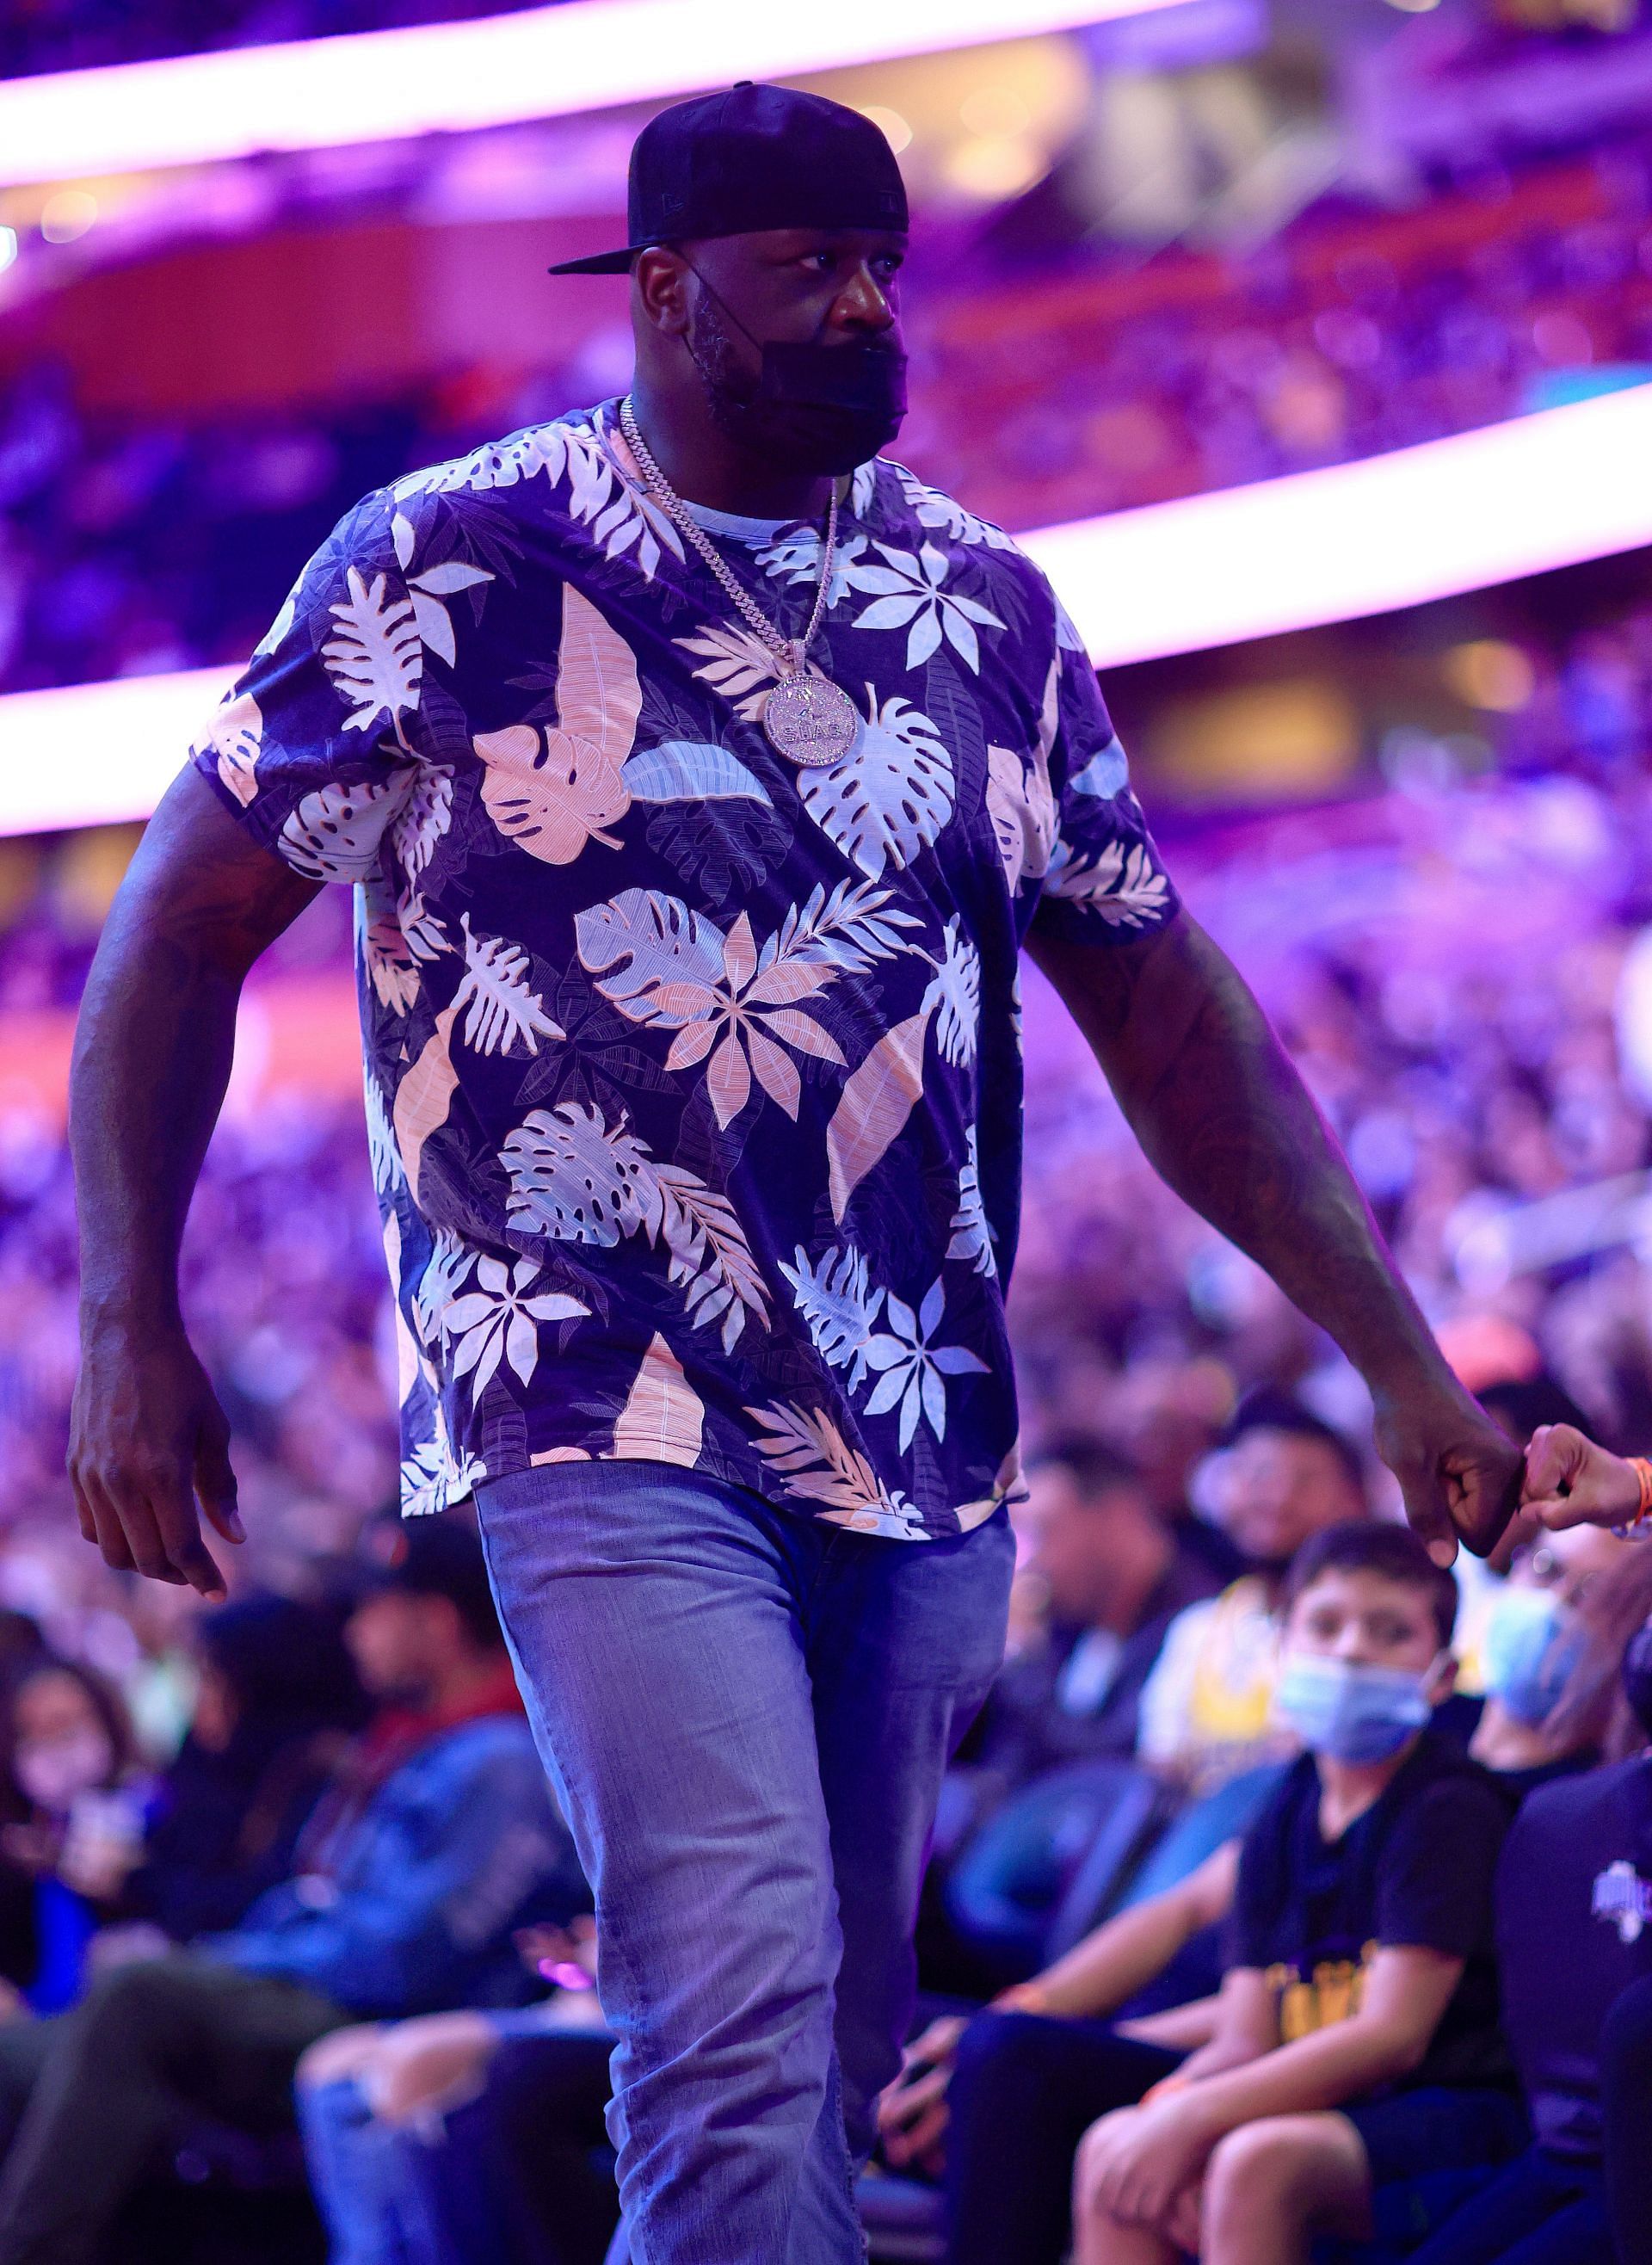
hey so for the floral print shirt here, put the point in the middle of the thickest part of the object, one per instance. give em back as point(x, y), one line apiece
point(693, 1078)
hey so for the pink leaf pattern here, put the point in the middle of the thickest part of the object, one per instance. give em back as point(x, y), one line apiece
point(554, 796)
point(664, 1417)
point(423, 1096)
point(875, 1102)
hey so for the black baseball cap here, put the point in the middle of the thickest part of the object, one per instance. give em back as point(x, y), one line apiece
point(753, 157)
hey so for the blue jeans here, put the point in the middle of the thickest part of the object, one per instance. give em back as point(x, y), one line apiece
point(747, 1715)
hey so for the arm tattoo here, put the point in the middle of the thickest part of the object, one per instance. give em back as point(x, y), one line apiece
point(1223, 1114)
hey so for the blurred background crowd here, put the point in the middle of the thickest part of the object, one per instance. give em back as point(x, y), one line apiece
point(1153, 258)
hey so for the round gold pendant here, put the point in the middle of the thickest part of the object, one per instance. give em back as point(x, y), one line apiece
point(810, 721)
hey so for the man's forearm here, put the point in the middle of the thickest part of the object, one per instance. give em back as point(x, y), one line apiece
point(1224, 1117)
point(153, 1050)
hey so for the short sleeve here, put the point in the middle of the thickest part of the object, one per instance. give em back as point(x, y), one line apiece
point(1434, 1885)
point(309, 749)
point(1105, 882)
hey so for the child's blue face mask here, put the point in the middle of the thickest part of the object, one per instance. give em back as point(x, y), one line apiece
point(1532, 1643)
point(1349, 1711)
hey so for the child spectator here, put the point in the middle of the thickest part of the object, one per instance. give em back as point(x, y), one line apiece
point(1574, 1936)
point(1206, 1709)
point(1356, 2039)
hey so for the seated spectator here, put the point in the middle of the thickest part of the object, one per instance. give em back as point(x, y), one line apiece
point(432, 1843)
point(278, 1697)
point(1126, 1958)
point(1206, 1707)
point(77, 1803)
point(1519, 1406)
point(1574, 1900)
point(470, 2138)
point(1110, 1577)
point(1362, 1981)
point(1554, 1637)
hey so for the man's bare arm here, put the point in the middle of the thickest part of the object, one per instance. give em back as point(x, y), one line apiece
point(1224, 1117)
point(153, 1048)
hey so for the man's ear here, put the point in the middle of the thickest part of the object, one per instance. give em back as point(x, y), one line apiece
point(661, 282)
point(1442, 1679)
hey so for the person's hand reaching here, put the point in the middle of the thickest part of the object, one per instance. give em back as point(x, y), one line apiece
point(911, 2111)
point(1570, 1480)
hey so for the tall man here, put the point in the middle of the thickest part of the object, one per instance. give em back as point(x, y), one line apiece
point(702, 773)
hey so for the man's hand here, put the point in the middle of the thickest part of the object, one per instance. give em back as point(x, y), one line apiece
point(1570, 1481)
point(1460, 1474)
point(1137, 2164)
point(147, 1436)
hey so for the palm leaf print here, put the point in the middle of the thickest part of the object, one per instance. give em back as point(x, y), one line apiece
point(663, 1419)
point(896, 796)
point(500, 1010)
point(819, 1465)
point(1126, 888)
point(375, 659)
point(598, 696)
point(710, 1259)
point(850, 929)
point(423, 1096)
point(335, 833)
point(684, 770)
point(552, 800)
point(837, 1306)
point(875, 1104)
point(423, 819)
point(663, 954)
point(236, 736)
point(738, 664)
point(573, 1177)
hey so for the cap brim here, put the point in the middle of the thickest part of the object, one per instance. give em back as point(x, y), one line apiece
point(600, 263)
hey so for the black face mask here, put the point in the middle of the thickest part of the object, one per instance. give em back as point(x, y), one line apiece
point(813, 409)
point(1637, 1676)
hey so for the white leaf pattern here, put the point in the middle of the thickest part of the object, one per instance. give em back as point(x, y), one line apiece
point(893, 797)
point(818, 1465)
point(500, 1010)
point(837, 1307)
point(374, 659)
point(1123, 884)
point(335, 833)
point(971, 1234)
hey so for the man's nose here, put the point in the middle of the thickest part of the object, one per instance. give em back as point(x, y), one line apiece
point(865, 303)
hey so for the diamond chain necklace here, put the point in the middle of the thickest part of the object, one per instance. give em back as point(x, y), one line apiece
point(807, 719)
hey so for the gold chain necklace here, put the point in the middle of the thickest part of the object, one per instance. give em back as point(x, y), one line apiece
point(807, 717)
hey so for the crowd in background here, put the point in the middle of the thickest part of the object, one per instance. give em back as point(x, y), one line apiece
point(1086, 384)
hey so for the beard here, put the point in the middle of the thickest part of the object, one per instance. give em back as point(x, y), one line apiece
point(812, 410)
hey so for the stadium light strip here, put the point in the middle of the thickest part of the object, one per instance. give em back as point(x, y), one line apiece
point(455, 77)
point(1464, 513)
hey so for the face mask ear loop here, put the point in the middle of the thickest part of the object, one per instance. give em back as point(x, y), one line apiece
point(759, 343)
